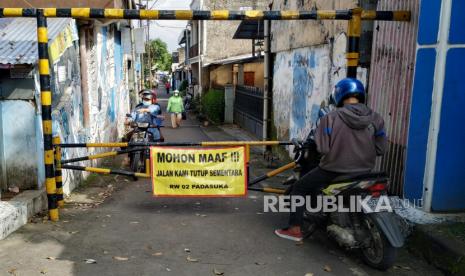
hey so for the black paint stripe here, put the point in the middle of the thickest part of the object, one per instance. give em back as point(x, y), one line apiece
point(1, 12)
point(201, 15)
point(272, 15)
point(167, 14)
point(131, 14)
point(46, 112)
point(41, 20)
point(344, 15)
point(308, 15)
point(45, 82)
point(29, 12)
point(49, 172)
point(236, 15)
point(354, 44)
point(48, 142)
point(52, 201)
point(97, 13)
point(43, 50)
point(384, 15)
point(63, 13)
point(352, 71)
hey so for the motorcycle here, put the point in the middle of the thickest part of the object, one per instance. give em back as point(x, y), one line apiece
point(188, 101)
point(377, 235)
point(140, 134)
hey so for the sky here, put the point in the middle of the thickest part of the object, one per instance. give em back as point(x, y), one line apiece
point(167, 30)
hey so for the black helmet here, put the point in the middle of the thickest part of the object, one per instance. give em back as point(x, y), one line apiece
point(145, 93)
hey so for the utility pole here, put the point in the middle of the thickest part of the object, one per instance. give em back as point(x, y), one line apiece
point(149, 54)
point(142, 65)
point(133, 60)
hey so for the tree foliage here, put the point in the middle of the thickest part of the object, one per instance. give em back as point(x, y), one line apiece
point(159, 55)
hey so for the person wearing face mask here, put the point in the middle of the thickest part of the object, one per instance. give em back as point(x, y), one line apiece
point(147, 112)
point(176, 108)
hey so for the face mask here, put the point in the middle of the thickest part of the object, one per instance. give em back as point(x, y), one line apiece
point(146, 103)
point(176, 94)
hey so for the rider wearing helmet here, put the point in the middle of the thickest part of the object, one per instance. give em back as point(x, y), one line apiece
point(349, 138)
point(147, 112)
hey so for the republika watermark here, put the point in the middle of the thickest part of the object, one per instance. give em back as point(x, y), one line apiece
point(330, 203)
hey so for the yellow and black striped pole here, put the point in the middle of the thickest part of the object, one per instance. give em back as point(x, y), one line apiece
point(58, 176)
point(46, 99)
point(87, 13)
point(353, 42)
point(273, 173)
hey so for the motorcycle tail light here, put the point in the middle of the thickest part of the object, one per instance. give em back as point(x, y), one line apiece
point(377, 189)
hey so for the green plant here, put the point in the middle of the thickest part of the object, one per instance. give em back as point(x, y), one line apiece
point(213, 105)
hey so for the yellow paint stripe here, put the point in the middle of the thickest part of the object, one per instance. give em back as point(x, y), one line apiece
point(50, 12)
point(42, 35)
point(49, 157)
point(46, 99)
point(80, 12)
point(142, 175)
point(355, 24)
point(97, 170)
point(47, 125)
point(253, 14)
point(240, 143)
point(7, 12)
point(326, 14)
point(59, 178)
point(101, 155)
point(44, 67)
point(53, 214)
point(352, 55)
point(401, 15)
point(114, 13)
point(55, 139)
point(281, 169)
point(106, 145)
point(352, 62)
point(50, 185)
point(368, 15)
point(272, 190)
point(147, 166)
point(60, 191)
point(148, 14)
point(220, 14)
point(289, 14)
point(185, 15)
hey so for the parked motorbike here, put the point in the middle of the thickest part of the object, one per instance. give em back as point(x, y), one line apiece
point(377, 235)
point(188, 100)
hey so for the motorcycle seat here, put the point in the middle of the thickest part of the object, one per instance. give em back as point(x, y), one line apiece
point(361, 176)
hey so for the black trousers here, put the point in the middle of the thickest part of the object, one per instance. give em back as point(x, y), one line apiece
point(310, 184)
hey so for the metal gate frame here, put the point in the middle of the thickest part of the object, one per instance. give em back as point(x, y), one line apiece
point(53, 171)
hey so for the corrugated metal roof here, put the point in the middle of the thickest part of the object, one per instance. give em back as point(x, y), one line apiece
point(18, 38)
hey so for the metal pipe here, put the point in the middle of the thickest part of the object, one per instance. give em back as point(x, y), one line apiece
point(101, 155)
point(177, 144)
point(353, 42)
point(85, 13)
point(58, 176)
point(46, 101)
point(272, 173)
point(105, 171)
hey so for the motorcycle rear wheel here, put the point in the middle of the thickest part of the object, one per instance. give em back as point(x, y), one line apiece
point(379, 254)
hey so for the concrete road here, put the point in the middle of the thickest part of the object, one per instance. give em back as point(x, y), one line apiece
point(119, 225)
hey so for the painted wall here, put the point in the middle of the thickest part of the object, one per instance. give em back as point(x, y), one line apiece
point(108, 99)
point(221, 75)
point(302, 81)
point(435, 151)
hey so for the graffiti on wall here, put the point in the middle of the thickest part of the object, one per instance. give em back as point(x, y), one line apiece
point(303, 79)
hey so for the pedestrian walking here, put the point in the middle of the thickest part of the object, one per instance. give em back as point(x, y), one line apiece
point(168, 87)
point(176, 108)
